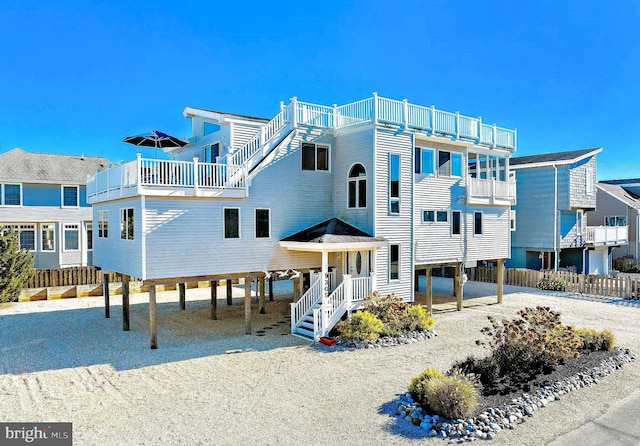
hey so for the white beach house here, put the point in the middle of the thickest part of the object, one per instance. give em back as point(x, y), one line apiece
point(357, 197)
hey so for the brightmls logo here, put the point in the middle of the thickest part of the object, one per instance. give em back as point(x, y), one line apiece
point(36, 434)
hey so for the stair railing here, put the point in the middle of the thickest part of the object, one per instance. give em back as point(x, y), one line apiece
point(304, 305)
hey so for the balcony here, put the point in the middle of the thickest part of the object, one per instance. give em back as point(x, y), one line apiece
point(606, 235)
point(167, 178)
point(491, 192)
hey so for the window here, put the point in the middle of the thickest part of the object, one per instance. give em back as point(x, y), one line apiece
point(455, 222)
point(477, 223)
point(615, 220)
point(89, 228)
point(210, 153)
point(512, 220)
point(48, 237)
point(394, 183)
point(231, 223)
point(103, 224)
point(442, 216)
point(424, 161)
point(71, 238)
point(357, 187)
point(589, 181)
point(449, 164)
point(126, 224)
point(428, 216)
point(263, 225)
point(394, 262)
point(315, 157)
point(70, 196)
point(579, 221)
point(27, 236)
point(11, 195)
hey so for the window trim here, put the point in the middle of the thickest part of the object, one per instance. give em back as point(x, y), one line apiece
point(255, 215)
point(392, 198)
point(431, 213)
point(475, 223)
point(453, 214)
point(419, 156)
point(19, 227)
point(49, 227)
point(3, 192)
point(356, 180)
point(589, 181)
point(315, 158)
point(62, 188)
point(398, 246)
point(124, 224)
point(512, 219)
point(88, 229)
point(70, 226)
point(103, 224)
point(224, 224)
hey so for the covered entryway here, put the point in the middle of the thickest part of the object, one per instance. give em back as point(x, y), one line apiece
point(318, 310)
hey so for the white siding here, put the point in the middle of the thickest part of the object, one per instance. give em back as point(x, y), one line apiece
point(350, 148)
point(493, 243)
point(395, 228)
point(114, 254)
point(241, 133)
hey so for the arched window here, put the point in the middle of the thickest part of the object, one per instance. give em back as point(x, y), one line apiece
point(357, 187)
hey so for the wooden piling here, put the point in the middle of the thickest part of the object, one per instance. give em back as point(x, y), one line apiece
point(429, 290)
point(182, 290)
point(247, 305)
point(105, 290)
point(214, 300)
point(153, 321)
point(500, 279)
point(229, 292)
point(261, 297)
point(125, 302)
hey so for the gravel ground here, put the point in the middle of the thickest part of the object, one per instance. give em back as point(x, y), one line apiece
point(63, 361)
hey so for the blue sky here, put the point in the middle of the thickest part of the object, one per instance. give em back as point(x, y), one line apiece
point(78, 76)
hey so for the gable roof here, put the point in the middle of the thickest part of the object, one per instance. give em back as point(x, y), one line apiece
point(626, 181)
point(554, 158)
point(620, 193)
point(20, 166)
point(219, 116)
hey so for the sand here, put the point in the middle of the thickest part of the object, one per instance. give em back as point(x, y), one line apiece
point(62, 361)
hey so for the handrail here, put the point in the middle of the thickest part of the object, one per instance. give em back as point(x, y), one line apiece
point(300, 308)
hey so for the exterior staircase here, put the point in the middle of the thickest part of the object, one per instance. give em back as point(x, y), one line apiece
point(313, 317)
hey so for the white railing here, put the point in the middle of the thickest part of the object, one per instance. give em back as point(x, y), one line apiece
point(361, 288)
point(354, 113)
point(264, 135)
point(155, 172)
point(314, 115)
point(606, 235)
point(491, 189)
point(304, 305)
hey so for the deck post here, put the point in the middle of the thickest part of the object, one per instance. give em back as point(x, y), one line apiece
point(296, 288)
point(429, 290)
point(183, 293)
point(125, 302)
point(214, 300)
point(105, 287)
point(153, 321)
point(229, 292)
point(500, 279)
point(247, 305)
point(261, 300)
point(271, 288)
point(457, 287)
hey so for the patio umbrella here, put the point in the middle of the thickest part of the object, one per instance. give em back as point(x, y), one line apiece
point(157, 139)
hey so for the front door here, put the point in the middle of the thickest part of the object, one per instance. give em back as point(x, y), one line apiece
point(357, 263)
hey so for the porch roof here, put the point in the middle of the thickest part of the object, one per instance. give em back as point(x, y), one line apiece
point(332, 235)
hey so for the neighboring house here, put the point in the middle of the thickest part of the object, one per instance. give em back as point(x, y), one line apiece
point(618, 206)
point(364, 194)
point(555, 190)
point(43, 196)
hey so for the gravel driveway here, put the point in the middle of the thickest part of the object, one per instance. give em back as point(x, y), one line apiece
point(63, 361)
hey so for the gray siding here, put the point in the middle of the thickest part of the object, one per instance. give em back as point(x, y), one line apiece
point(534, 209)
point(608, 205)
point(395, 228)
point(579, 196)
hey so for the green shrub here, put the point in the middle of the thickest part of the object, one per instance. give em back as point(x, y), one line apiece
point(451, 397)
point(485, 369)
point(551, 284)
point(532, 343)
point(363, 326)
point(419, 319)
point(390, 309)
point(596, 340)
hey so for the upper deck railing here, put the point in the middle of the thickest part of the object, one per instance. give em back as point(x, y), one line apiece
point(417, 117)
point(606, 235)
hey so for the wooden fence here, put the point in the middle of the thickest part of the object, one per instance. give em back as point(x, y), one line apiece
point(82, 275)
point(622, 287)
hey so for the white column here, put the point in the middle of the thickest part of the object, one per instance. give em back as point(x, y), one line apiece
point(325, 291)
point(196, 174)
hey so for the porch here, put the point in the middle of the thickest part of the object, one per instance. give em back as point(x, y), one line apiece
point(606, 235)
